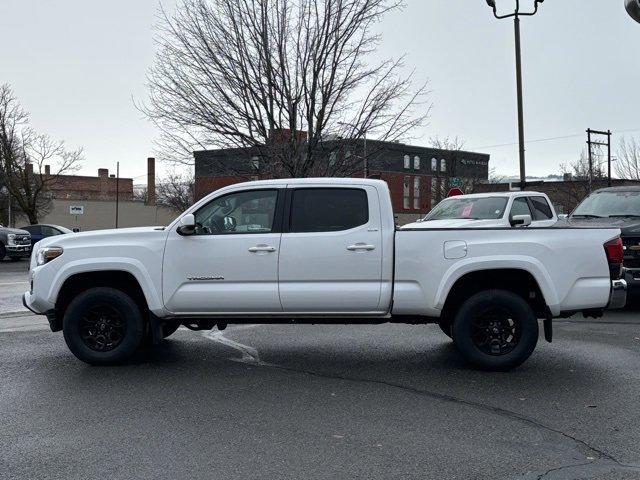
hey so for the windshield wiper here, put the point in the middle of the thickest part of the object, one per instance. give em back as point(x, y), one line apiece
point(624, 216)
point(586, 215)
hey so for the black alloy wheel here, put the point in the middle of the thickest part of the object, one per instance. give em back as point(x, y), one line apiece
point(102, 328)
point(495, 331)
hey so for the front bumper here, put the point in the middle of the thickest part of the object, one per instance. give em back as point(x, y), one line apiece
point(18, 250)
point(618, 295)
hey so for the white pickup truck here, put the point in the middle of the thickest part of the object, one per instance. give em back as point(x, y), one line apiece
point(320, 251)
point(496, 209)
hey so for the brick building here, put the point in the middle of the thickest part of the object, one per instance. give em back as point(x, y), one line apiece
point(81, 187)
point(418, 177)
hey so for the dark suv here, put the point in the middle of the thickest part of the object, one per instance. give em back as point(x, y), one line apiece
point(616, 207)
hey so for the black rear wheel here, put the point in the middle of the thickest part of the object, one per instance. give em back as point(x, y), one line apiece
point(103, 326)
point(3, 252)
point(495, 330)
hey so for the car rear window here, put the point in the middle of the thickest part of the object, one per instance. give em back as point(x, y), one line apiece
point(328, 209)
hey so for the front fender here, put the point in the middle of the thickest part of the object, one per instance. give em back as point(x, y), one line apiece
point(150, 288)
point(528, 264)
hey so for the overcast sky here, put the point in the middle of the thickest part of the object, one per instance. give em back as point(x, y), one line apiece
point(76, 65)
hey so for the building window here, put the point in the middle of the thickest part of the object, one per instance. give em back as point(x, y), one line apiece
point(255, 163)
point(406, 193)
point(332, 159)
point(416, 162)
point(407, 161)
point(443, 165)
point(416, 193)
point(434, 164)
point(434, 189)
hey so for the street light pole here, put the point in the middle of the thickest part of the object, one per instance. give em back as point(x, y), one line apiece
point(523, 176)
point(516, 25)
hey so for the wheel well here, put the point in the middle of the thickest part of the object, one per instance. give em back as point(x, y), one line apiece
point(80, 282)
point(517, 281)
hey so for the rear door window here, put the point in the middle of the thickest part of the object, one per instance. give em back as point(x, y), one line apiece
point(328, 209)
point(541, 208)
point(520, 207)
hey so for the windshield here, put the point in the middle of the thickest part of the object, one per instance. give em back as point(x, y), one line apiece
point(483, 208)
point(609, 204)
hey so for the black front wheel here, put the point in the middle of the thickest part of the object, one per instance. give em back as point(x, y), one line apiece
point(103, 326)
point(495, 330)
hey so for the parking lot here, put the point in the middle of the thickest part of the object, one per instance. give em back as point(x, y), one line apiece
point(374, 402)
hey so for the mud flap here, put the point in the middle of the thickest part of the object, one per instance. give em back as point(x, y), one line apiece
point(155, 324)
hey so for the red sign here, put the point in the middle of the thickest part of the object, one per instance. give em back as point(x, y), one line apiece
point(454, 192)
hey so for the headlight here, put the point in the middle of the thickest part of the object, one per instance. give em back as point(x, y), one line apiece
point(11, 239)
point(47, 254)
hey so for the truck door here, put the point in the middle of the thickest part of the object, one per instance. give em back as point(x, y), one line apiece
point(331, 250)
point(230, 264)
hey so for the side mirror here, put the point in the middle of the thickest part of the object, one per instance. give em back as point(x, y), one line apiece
point(563, 216)
point(521, 220)
point(229, 224)
point(187, 225)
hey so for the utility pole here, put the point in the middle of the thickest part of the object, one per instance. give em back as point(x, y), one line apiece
point(366, 161)
point(590, 144)
point(117, 191)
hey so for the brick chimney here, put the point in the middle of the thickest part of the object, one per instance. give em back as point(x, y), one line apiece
point(103, 172)
point(151, 181)
point(47, 170)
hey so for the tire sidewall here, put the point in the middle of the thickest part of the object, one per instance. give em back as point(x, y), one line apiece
point(518, 308)
point(3, 252)
point(133, 325)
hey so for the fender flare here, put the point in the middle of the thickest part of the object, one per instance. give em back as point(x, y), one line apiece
point(128, 265)
point(513, 262)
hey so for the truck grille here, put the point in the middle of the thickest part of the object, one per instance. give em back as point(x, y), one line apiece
point(22, 240)
point(631, 247)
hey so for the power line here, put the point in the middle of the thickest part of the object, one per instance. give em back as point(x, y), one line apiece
point(550, 139)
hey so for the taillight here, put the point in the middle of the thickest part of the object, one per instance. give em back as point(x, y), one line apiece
point(615, 257)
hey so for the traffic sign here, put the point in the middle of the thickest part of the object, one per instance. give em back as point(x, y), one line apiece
point(454, 192)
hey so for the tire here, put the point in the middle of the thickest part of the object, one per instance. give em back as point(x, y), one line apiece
point(495, 330)
point(103, 326)
point(15, 259)
point(445, 326)
point(3, 252)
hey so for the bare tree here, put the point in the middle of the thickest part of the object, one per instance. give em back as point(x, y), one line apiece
point(579, 169)
point(447, 143)
point(289, 81)
point(176, 191)
point(627, 165)
point(25, 157)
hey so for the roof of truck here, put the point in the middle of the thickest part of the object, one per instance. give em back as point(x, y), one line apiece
point(317, 180)
point(509, 194)
point(623, 188)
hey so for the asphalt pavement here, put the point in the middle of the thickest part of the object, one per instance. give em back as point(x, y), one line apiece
point(321, 402)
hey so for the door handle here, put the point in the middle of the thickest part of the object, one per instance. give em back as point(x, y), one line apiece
point(262, 248)
point(361, 246)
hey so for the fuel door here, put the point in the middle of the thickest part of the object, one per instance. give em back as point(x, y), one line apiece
point(455, 249)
